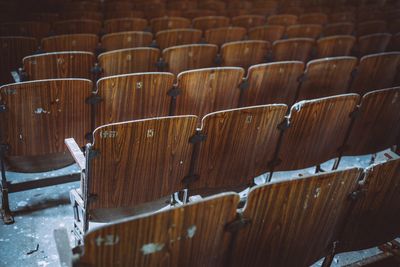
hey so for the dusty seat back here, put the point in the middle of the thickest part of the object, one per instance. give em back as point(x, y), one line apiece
point(125, 24)
point(304, 31)
point(333, 46)
point(165, 23)
point(219, 36)
point(340, 28)
point(71, 42)
point(373, 43)
point(244, 53)
point(313, 18)
point(168, 38)
point(248, 21)
point(371, 27)
point(210, 22)
point(122, 40)
point(292, 49)
point(282, 19)
point(269, 33)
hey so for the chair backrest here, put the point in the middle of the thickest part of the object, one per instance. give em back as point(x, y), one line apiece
point(125, 24)
point(77, 26)
point(313, 18)
point(334, 46)
point(187, 57)
point(208, 90)
point(175, 237)
point(371, 27)
point(327, 77)
point(34, 29)
point(343, 16)
point(165, 23)
point(216, 5)
point(112, 14)
point(219, 36)
point(377, 71)
point(317, 129)
point(130, 60)
point(168, 38)
point(73, 64)
point(128, 159)
point(304, 31)
point(293, 223)
point(210, 22)
point(78, 15)
point(244, 53)
point(122, 40)
point(272, 83)
point(71, 42)
point(292, 49)
point(269, 33)
point(39, 116)
point(198, 12)
point(373, 43)
point(283, 19)
point(248, 21)
point(341, 28)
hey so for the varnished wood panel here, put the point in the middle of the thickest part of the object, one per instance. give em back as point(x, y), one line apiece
point(129, 60)
point(77, 26)
point(81, 15)
point(189, 235)
point(125, 24)
point(72, 64)
point(283, 19)
point(293, 223)
point(317, 130)
point(210, 22)
point(187, 57)
point(26, 28)
point(168, 38)
point(219, 36)
point(327, 77)
point(135, 156)
point(208, 90)
point(244, 53)
point(375, 217)
point(71, 42)
point(377, 123)
point(304, 31)
point(269, 33)
point(292, 49)
point(238, 147)
point(272, 83)
point(334, 46)
point(371, 27)
point(39, 116)
point(376, 71)
point(165, 23)
point(341, 28)
point(248, 21)
point(373, 43)
point(122, 40)
point(313, 18)
point(133, 96)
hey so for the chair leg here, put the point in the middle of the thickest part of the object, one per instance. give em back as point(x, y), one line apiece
point(5, 205)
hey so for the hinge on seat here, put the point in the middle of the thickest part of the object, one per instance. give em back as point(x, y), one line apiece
point(244, 85)
point(89, 137)
point(161, 64)
point(237, 224)
point(154, 45)
point(218, 60)
point(174, 92)
point(93, 99)
point(96, 69)
point(3, 108)
point(197, 138)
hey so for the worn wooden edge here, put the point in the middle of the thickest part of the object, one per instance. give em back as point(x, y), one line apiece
point(266, 65)
point(292, 40)
point(178, 30)
point(330, 59)
point(125, 19)
point(265, 27)
point(76, 152)
point(209, 17)
point(169, 18)
point(245, 42)
point(188, 46)
point(304, 25)
point(247, 16)
point(125, 33)
point(225, 28)
point(186, 72)
point(341, 36)
point(70, 35)
point(377, 92)
point(128, 49)
point(379, 55)
point(43, 81)
point(77, 20)
point(58, 53)
point(380, 34)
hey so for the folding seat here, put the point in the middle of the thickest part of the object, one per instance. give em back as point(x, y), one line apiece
point(248, 21)
point(337, 45)
point(292, 49)
point(302, 143)
point(373, 43)
point(294, 222)
point(269, 33)
point(376, 71)
point(370, 27)
point(77, 26)
point(327, 77)
point(38, 116)
point(208, 90)
point(341, 28)
point(123, 14)
point(125, 24)
point(304, 31)
point(130, 60)
point(121, 40)
point(71, 64)
point(219, 36)
point(244, 53)
point(132, 97)
point(81, 15)
point(313, 18)
point(210, 22)
point(70, 42)
point(25, 28)
point(168, 38)
point(165, 23)
point(283, 20)
point(339, 17)
point(195, 13)
point(187, 57)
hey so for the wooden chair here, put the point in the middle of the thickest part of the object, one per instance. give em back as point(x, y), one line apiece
point(199, 12)
point(122, 40)
point(77, 26)
point(81, 15)
point(34, 29)
point(73, 64)
point(377, 71)
point(218, 6)
point(113, 6)
point(204, 91)
point(327, 77)
point(371, 27)
point(130, 60)
point(125, 24)
point(269, 33)
point(373, 43)
point(71, 42)
point(187, 57)
point(132, 97)
point(219, 36)
point(313, 18)
point(341, 28)
point(292, 49)
point(88, 6)
point(166, 23)
point(304, 31)
point(168, 38)
point(334, 46)
point(339, 17)
point(244, 53)
point(248, 21)
point(283, 20)
point(183, 5)
point(109, 14)
point(210, 22)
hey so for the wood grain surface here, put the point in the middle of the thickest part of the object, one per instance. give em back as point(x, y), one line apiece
point(248, 21)
point(168, 38)
point(334, 46)
point(34, 29)
point(125, 24)
point(340, 28)
point(81, 15)
point(373, 43)
point(210, 22)
point(282, 19)
point(199, 12)
point(71, 42)
point(304, 31)
point(244, 53)
point(313, 18)
point(115, 14)
point(219, 36)
point(122, 40)
point(292, 49)
point(77, 26)
point(165, 23)
point(371, 27)
point(269, 33)
point(342, 16)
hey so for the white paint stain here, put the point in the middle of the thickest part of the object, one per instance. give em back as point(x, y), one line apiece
point(191, 231)
point(40, 111)
point(151, 248)
point(317, 192)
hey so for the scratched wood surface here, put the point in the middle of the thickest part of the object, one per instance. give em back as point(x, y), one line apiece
point(373, 43)
point(244, 53)
point(304, 31)
point(27, 28)
point(219, 36)
point(73, 64)
point(248, 21)
point(317, 130)
point(122, 40)
point(377, 123)
point(168, 38)
point(165, 23)
point(125, 24)
point(187, 57)
point(77, 26)
point(341, 28)
point(377, 71)
point(327, 77)
point(313, 18)
point(175, 237)
point(71, 42)
point(292, 49)
point(334, 46)
point(136, 155)
point(133, 96)
point(130, 60)
point(79, 15)
point(39, 116)
point(228, 158)
point(269, 33)
point(283, 19)
point(210, 22)
point(272, 83)
point(293, 223)
point(208, 90)
point(371, 27)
